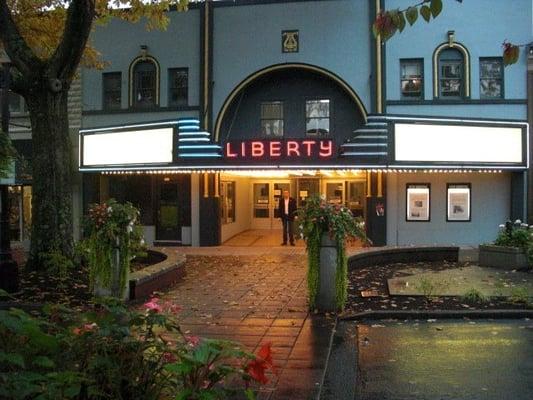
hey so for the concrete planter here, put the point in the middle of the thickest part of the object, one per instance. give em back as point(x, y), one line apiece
point(114, 289)
point(507, 258)
point(325, 300)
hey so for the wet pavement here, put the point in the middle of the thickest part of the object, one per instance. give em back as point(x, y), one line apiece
point(485, 360)
point(253, 297)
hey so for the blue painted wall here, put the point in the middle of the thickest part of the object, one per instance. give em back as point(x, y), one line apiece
point(334, 35)
point(119, 42)
point(481, 26)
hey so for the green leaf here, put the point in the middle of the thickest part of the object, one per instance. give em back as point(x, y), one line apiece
point(436, 7)
point(425, 11)
point(401, 22)
point(13, 359)
point(179, 368)
point(250, 395)
point(184, 394)
point(43, 362)
point(412, 15)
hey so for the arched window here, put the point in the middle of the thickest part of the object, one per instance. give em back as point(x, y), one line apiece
point(144, 83)
point(451, 72)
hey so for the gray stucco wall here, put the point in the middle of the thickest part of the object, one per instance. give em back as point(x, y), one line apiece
point(491, 205)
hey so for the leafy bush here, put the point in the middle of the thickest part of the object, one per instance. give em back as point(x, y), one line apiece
point(114, 353)
point(54, 262)
point(112, 227)
point(517, 235)
point(519, 295)
point(474, 296)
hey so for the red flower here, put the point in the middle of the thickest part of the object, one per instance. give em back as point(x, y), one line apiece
point(192, 340)
point(169, 358)
point(263, 361)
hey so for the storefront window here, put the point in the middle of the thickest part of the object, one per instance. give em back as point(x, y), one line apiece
point(335, 192)
point(317, 113)
point(272, 118)
point(227, 200)
point(356, 198)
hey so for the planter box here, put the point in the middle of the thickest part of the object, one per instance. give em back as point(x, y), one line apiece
point(156, 277)
point(507, 258)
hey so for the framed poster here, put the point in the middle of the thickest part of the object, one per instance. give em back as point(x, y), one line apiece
point(418, 202)
point(458, 202)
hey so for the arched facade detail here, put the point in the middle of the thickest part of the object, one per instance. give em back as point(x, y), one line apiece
point(251, 78)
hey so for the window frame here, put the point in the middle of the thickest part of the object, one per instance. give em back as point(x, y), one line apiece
point(132, 103)
point(467, 82)
point(104, 91)
point(417, 185)
point(170, 88)
point(420, 62)
point(224, 184)
point(329, 117)
point(461, 78)
point(462, 185)
point(501, 78)
point(282, 119)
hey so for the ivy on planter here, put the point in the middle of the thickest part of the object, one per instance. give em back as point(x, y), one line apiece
point(114, 237)
point(316, 219)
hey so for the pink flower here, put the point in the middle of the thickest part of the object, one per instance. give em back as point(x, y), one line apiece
point(192, 341)
point(169, 358)
point(172, 308)
point(85, 328)
point(153, 306)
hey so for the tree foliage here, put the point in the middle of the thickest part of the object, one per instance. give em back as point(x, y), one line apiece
point(46, 41)
point(389, 22)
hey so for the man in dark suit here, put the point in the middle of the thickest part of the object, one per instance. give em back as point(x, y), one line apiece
point(287, 212)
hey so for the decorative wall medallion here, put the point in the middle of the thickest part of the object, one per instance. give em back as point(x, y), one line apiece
point(290, 41)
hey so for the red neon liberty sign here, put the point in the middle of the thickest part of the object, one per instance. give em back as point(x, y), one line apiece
point(279, 149)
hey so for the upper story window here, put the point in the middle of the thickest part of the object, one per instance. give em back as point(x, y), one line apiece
point(491, 78)
point(178, 87)
point(112, 90)
point(451, 74)
point(317, 117)
point(412, 78)
point(144, 83)
point(272, 118)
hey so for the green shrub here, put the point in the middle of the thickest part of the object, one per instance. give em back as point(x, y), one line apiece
point(474, 296)
point(517, 235)
point(54, 262)
point(114, 353)
point(519, 295)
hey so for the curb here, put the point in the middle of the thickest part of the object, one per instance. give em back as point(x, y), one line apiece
point(442, 314)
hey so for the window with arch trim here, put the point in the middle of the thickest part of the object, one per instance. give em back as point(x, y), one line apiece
point(451, 74)
point(144, 83)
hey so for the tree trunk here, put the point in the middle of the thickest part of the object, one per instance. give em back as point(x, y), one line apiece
point(52, 173)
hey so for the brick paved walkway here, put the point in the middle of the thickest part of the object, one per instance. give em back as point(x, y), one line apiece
point(254, 296)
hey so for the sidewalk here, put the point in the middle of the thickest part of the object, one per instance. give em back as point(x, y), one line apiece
point(253, 296)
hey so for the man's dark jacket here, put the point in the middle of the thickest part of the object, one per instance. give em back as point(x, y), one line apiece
point(292, 208)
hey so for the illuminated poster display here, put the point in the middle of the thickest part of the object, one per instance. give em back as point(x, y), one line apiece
point(265, 150)
point(418, 202)
point(458, 199)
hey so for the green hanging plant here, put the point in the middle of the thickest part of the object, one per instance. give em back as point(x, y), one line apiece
point(114, 234)
point(317, 218)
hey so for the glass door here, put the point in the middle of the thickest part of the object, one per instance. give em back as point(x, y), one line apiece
point(168, 218)
point(278, 189)
point(265, 209)
point(356, 198)
point(334, 192)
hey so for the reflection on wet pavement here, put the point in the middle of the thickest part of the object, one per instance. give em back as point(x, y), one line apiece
point(445, 360)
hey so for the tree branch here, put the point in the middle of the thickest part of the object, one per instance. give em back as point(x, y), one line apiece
point(20, 54)
point(67, 57)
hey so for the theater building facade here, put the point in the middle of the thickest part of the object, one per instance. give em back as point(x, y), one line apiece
point(203, 126)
